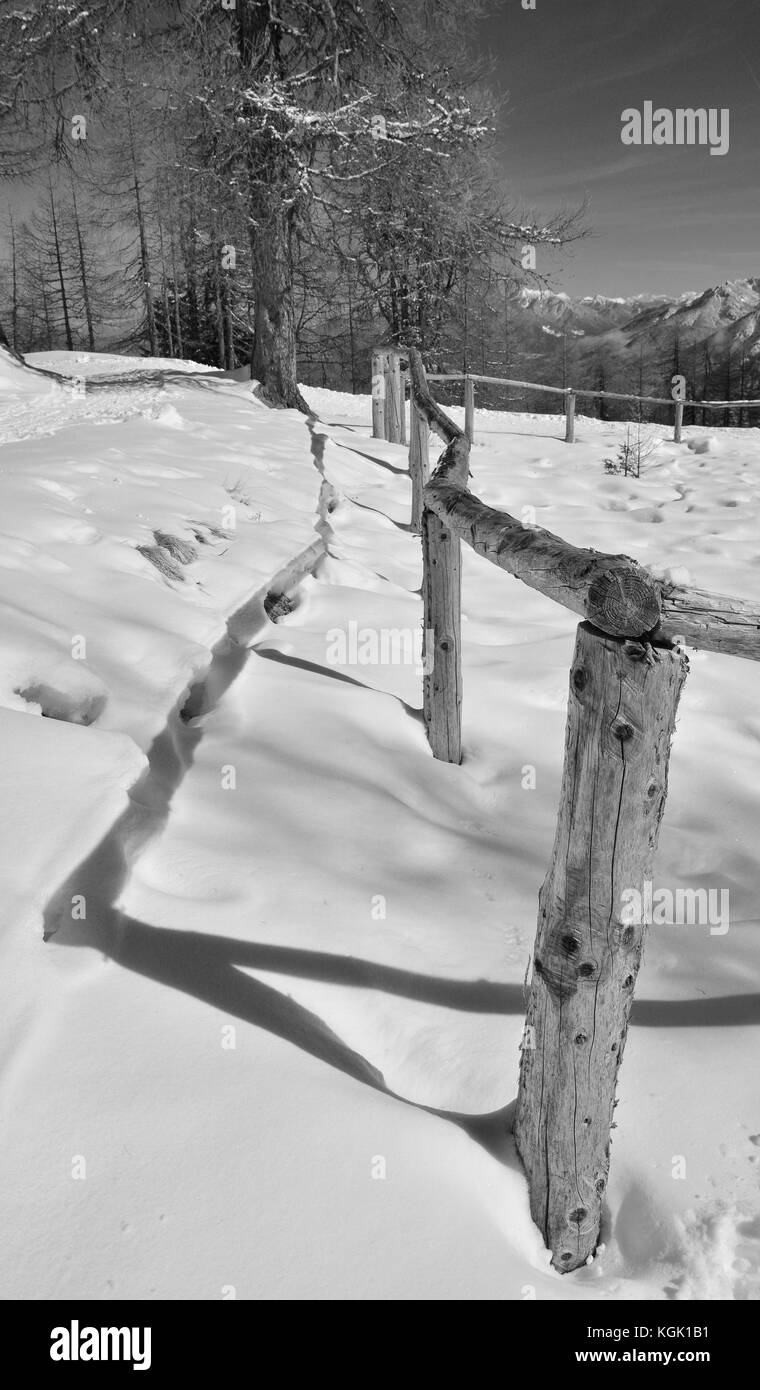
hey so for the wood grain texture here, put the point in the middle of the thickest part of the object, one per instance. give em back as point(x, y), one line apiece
point(469, 409)
point(419, 462)
point(621, 716)
point(570, 418)
point(710, 622)
point(379, 368)
point(441, 585)
point(442, 685)
point(394, 404)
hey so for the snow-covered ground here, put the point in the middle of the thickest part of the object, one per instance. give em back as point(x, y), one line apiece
point(270, 1045)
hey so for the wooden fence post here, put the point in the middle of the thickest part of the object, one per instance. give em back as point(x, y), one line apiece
point(419, 462)
point(469, 408)
point(442, 658)
point(621, 716)
point(677, 428)
point(393, 403)
point(569, 417)
point(378, 393)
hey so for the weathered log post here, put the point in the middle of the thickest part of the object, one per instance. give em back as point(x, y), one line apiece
point(394, 406)
point(419, 462)
point(441, 582)
point(569, 417)
point(621, 716)
point(442, 657)
point(678, 424)
point(469, 408)
point(379, 368)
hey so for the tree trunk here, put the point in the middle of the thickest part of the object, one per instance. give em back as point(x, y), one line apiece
point(229, 326)
point(61, 277)
point(166, 307)
point(12, 346)
point(193, 311)
point(175, 290)
point(14, 282)
point(273, 359)
point(167, 323)
point(45, 308)
point(83, 272)
point(621, 716)
point(221, 351)
point(4, 342)
point(351, 344)
point(150, 316)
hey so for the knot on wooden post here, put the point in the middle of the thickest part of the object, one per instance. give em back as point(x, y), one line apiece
point(622, 730)
point(624, 601)
point(558, 975)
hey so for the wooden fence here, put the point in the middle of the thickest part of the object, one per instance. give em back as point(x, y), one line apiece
point(389, 392)
point(626, 677)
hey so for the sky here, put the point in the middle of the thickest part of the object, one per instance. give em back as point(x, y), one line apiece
point(663, 219)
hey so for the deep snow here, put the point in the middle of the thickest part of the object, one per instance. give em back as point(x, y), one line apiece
point(295, 867)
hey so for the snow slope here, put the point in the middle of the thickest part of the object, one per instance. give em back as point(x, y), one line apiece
point(284, 1040)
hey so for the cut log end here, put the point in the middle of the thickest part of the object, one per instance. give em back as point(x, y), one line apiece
point(624, 601)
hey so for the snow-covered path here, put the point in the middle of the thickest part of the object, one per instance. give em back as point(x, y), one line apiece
point(284, 1042)
point(39, 407)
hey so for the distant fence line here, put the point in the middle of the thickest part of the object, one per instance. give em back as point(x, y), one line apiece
point(389, 371)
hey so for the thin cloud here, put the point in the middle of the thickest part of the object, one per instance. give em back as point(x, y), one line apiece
point(592, 173)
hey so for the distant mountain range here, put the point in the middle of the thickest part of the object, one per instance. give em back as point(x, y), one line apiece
point(713, 337)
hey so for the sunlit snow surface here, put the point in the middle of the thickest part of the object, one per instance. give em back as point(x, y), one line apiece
point(284, 1037)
